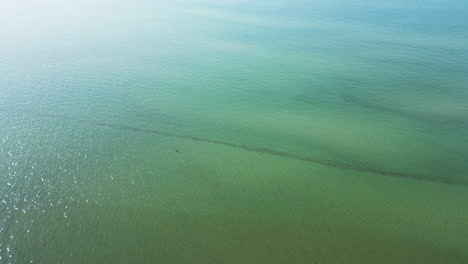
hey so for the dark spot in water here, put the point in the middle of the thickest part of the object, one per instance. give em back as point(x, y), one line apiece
point(177, 150)
point(441, 120)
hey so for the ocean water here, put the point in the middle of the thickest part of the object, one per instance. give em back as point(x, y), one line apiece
point(233, 131)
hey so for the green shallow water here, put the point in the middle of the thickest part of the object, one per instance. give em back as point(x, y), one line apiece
point(233, 132)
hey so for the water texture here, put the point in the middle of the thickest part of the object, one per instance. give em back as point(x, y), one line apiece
point(233, 131)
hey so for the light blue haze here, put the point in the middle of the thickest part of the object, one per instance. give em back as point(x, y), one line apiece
point(196, 131)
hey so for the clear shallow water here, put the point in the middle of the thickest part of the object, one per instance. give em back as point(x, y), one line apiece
point(233, 132)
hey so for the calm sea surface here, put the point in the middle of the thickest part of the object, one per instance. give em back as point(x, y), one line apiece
point(232, 131)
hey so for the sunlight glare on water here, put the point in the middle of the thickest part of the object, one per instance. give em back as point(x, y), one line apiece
point(233, 131)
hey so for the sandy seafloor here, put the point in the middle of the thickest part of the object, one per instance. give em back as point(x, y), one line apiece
point(233, 131)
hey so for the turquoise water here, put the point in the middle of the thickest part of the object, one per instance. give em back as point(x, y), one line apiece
point(233, 131)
